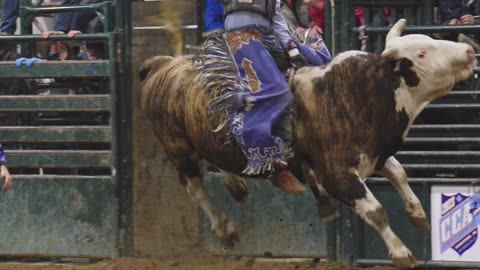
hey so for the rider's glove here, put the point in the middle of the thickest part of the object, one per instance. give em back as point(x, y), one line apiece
point(296, 58)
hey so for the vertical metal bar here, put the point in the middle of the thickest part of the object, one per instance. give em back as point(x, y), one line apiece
point(378, 16)
point(328, 31)
point(427, 12)
point(394, 13)
point(107, 22)
point(419, 15)
point(426, 188)
point(343, 23)
point(107, 14)
point(26, 21)
point(408, 13)
point(347, 25)
point(121, 88)
point(337, 27)
point(200, 25)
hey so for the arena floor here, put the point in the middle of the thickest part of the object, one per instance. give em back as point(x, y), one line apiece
point(194, 263)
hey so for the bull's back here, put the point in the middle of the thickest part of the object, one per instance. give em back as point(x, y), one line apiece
point(176, 101)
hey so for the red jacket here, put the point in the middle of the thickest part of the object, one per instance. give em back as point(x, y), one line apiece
point(318, 16)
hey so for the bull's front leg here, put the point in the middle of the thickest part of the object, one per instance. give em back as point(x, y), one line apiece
point(349, 188)
point(395, 172)
point(326, 211)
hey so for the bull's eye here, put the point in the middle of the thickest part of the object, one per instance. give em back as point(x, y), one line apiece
point(421, 54)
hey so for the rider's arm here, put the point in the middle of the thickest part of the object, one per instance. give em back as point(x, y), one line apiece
point(280, 28)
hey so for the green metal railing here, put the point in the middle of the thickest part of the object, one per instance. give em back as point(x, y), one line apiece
point(341, 25)
point(108, 232)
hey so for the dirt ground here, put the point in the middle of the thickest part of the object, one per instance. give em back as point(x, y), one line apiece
point(195, 263)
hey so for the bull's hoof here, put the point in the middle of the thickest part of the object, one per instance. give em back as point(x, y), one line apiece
point(421, 223)
point(225, 231)
point(327, 212)
point(403, 259)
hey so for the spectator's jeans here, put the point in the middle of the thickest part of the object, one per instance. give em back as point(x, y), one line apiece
point(9, 16)
point(74, 20)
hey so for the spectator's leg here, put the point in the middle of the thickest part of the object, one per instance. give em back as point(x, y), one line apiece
point(9, 16)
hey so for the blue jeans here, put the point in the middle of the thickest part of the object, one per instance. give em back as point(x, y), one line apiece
point(9, 16)
point(74, 20)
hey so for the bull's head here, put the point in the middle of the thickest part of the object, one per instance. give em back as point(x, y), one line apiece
point(437, 64)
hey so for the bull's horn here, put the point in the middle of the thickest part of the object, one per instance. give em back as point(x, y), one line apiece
point(390, 53)
point(396, 30)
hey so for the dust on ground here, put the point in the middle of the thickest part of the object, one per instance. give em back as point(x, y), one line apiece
point(192, 263)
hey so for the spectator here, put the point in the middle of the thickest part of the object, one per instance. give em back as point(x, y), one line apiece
point(456, 12)
point(4, 171)
point(9, 17)
point(302, 34)
point(72, 23)
point(385, 19)
point(213, 17)
point(316, 9)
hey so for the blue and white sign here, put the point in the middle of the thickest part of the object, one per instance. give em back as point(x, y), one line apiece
point(455, 223)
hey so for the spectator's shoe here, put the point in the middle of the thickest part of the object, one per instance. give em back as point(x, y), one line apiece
point(470, 41)
point(53, 56)
point(3, 34)
point(284, 179)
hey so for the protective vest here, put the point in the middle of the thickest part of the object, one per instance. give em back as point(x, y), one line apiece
point(263, 7)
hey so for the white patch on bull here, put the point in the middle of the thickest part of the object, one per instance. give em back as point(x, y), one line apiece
point(341, 57)
point(405, 101)
point(318, 72)
point(396, 174)
point(366, 166)
point(370, 210)
point(368, 204)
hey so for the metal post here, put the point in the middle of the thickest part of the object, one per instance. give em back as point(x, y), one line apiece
point(337, 22)
point(346, 25)
point(427, 12)
point(122, 87)
point(328, 31)
point(26, 21)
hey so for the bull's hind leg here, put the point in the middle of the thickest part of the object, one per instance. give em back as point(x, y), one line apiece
point(186, 160)
point(351, 190)
point(394, 171)
point(221, 224)
point(236, 186)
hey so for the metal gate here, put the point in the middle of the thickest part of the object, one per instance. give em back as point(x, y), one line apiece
point(70, 154)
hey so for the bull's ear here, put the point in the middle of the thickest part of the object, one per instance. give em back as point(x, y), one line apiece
point(391, 53)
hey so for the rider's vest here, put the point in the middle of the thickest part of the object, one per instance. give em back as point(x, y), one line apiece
point(263, 7)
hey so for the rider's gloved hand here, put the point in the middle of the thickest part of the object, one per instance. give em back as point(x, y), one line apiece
point(296, 58)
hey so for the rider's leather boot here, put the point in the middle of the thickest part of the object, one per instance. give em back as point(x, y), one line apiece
point(283, 178)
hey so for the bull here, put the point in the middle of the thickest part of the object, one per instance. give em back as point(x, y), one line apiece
point(349, 119)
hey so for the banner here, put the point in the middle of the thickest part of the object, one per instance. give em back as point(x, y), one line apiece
point(455, 223)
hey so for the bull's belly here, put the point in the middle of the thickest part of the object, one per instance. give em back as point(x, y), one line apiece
point(211, 144)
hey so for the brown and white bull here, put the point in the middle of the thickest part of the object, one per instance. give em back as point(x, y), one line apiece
point(350, 118)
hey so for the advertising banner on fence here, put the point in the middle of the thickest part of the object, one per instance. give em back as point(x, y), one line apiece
point(455, 223)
